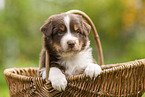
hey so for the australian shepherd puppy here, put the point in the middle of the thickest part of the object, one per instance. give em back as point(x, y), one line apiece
point(66, 38)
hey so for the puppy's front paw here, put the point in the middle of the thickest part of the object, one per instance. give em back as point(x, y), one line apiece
point(59, 82)
point(57, 78)
point(93, 70)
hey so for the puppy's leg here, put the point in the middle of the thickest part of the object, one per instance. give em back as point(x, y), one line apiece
point(57, 78)
point(93, 70)
point(42, 62)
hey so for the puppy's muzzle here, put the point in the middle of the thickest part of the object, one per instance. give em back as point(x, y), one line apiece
point(71, 44)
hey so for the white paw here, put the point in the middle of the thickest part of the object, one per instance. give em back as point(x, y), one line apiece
point(93, 70)
point(58, 79)
point(59, 83)
point(42, 72)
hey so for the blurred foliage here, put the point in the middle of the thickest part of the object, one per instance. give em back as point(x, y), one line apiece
point(120, 24)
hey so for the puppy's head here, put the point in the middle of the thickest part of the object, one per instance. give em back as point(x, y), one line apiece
point(67, 32)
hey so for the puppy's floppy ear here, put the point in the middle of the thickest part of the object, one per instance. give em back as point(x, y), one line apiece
point(86, 27)
point(46, 29)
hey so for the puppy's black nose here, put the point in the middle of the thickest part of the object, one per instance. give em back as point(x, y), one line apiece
point(71, 44)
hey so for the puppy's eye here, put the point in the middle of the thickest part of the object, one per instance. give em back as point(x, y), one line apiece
point(78, 31)
point(60, 32)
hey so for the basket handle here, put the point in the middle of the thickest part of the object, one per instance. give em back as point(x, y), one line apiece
point(47, 64)
point(95, 36)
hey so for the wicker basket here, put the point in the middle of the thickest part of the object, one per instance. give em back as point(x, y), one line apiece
point(125, 79)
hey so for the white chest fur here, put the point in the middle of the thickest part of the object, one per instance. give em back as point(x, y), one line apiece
point(76, 63)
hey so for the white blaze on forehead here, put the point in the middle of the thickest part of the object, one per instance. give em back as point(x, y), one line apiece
point(67, 22)
point(68, 35)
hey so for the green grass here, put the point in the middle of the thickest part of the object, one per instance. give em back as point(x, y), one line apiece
point(143, 95)
point(4, 91)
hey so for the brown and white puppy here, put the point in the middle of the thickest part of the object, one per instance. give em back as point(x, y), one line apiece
point(66, 38)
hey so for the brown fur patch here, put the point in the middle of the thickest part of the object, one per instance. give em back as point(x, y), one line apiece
point(57, 47)
point(62, 28)
point(75, 27)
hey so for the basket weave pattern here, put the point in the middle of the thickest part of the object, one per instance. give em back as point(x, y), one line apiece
point(125, 79)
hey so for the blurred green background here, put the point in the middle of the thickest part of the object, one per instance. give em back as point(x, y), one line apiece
point(120, 24)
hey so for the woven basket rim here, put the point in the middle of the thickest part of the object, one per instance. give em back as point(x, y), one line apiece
point(10, 72)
